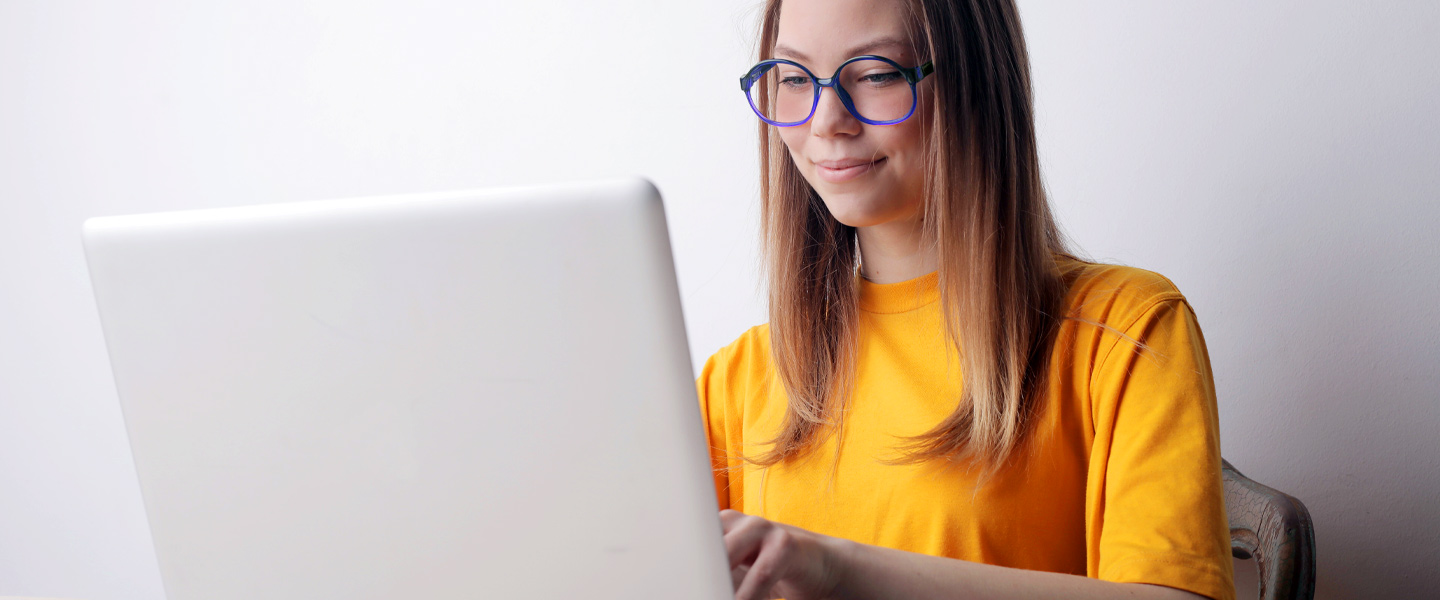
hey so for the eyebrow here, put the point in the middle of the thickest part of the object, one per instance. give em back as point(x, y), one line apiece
point(865, 48)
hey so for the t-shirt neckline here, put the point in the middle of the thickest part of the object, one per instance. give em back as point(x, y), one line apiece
point(902, 296)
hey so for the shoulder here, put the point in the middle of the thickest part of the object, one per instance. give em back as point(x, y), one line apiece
point(1115, 295)
point(743, 360)
point(734, 378)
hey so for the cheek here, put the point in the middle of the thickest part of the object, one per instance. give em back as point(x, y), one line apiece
point(794, 140)
point(914, 133)
point(795, 145)
point(905, 145)
point(910, 143)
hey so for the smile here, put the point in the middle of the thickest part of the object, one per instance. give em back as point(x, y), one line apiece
point(846, 173)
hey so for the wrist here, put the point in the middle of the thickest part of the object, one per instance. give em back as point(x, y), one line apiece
point(840, 565)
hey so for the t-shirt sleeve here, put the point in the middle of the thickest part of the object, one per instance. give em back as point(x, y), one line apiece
point(1162, 515)
point(711, 388)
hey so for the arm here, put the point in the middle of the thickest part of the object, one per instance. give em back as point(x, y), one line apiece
point(879, 572)
point(773, 560)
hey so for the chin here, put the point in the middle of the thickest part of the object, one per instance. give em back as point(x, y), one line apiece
point(855, 212)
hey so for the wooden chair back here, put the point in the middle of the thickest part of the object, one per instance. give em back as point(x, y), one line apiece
point(1274, 528)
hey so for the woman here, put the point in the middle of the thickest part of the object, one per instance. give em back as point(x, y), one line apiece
point(945, 402)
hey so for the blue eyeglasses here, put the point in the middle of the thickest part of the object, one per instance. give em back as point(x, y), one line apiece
point(875, 89)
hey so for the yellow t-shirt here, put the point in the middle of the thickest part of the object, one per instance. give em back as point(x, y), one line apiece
point(1121, 481)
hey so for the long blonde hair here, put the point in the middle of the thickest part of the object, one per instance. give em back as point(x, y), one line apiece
point(986, 215)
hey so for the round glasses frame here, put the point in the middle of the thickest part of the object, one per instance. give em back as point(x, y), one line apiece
point(912, 75)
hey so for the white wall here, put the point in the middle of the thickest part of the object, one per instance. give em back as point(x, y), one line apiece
point(1277, 160)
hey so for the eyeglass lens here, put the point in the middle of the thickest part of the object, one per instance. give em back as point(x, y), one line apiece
point(786, 94)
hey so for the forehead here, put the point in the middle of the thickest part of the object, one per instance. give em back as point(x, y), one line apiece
point(826, 32)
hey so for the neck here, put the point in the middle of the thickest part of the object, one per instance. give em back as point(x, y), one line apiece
point(891, 252)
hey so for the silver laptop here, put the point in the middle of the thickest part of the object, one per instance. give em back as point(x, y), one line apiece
point(481, 394)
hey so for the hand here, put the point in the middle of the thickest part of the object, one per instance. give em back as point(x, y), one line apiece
point(771, 560)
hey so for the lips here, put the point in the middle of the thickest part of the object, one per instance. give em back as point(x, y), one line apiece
point(845, 169)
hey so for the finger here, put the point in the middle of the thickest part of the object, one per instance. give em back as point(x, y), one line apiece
point(742, 541)
point(737, 575)
point(776, 550)
point(729, 517)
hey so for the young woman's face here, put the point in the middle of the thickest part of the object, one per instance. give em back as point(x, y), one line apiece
point(866, 174)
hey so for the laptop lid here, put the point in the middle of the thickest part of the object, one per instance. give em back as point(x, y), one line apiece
point(479, 394)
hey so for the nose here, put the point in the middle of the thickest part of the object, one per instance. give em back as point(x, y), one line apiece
point(831, 117)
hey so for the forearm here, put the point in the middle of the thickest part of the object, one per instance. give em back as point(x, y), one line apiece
point(873, 572)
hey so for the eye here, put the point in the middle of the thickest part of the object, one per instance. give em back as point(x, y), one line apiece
point(882, 78)
point(795, 81)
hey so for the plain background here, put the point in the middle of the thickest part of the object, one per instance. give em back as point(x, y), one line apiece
point(1277, 160)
